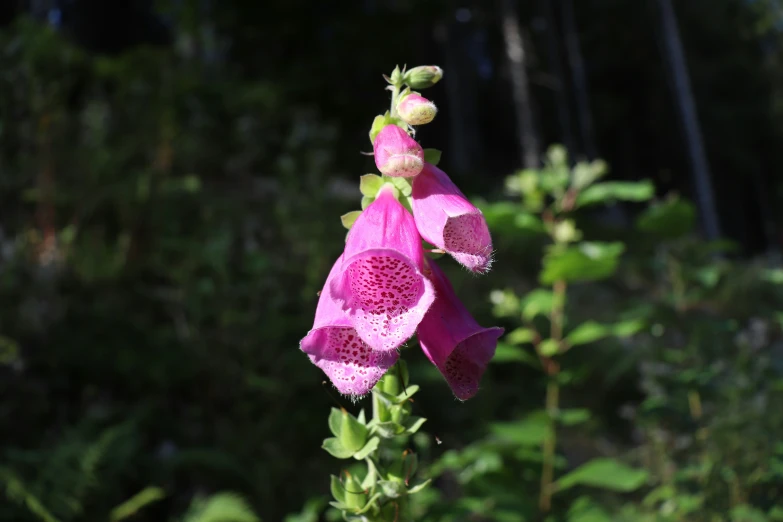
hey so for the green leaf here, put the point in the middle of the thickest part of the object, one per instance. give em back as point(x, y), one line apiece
point(221, 507)
point(745, 513)
point(370, 184)
point(388, 429)
point(776, 514)
point(337, 488)
point(585, 174)
point(407, 393)
point(587, 332)
point(538, 302)
point(521, 335)
point(585, 510)
point(670, 219)
point(508, 353)
point(627, 328)
point(392, 488)
point(604, 473)
point(610, 191)
point(413, 424)
point(403, 185)
point(571, 417)
point(506, 303)
point(336, 449)
point(432, 156)
point(588, 261)
point(529, 431)
point(418, 487)
point(549, 347)
point(368, 448)
point(138, 501)
point(366, 200)
point(350, 218)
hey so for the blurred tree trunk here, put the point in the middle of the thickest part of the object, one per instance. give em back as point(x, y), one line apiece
point(579, 78)
point(678, 69)
point(461, 91)
point(515, 51)
point(556, 68)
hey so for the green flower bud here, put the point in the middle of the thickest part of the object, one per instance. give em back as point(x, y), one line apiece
point(423, 76)
point(353, 434)
point(355, 497)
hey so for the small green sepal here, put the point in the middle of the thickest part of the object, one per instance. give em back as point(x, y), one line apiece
point(353, 434)
point(370, 184)
point(432, 156)
point(350, 218)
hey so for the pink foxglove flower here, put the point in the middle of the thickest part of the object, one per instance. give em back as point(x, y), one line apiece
point(334, 346)
point(454, 341)
point(446, 219)
point(415, 109)
point(396, 153)
point(381, 285)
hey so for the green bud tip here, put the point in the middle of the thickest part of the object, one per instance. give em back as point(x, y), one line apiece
point(423, 76)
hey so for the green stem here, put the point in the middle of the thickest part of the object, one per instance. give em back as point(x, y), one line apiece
point(395, 95)
point(552, 402)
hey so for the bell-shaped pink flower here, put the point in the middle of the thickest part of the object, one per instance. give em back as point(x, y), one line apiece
point(415, 109)
point(381, 285)
point(454, 341)
point(396, 153)
point(334, 346)
point(446, 219)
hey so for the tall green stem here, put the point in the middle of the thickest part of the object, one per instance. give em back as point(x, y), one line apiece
point(552, 401)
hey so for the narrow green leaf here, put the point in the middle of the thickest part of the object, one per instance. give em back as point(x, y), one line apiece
point(571, 417)
point(610, 191)
point(538, 302)
point(418, 487)
point(138, 501)
point(507, 353)
point(368, 448)
point(587, 332)
point(521, 335)
point(605, 473)
point(413, 423)
point(530, 431)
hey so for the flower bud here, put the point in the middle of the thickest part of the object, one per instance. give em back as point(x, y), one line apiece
point(353, 434)
point(415, 109)
point(397, 154)
point(355, 498)
point(423, 76)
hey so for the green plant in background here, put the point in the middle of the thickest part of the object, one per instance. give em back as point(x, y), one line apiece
point(550, 196)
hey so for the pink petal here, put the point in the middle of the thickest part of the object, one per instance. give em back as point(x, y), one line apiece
point(396, 153)
point(454, 341)
point(446, 219)
point(334, 346)
point(381, 286)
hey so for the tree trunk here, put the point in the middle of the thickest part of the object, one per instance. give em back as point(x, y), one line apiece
point(686, 106)
point(579, 77)
point(515, 50)
point(556, 67)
